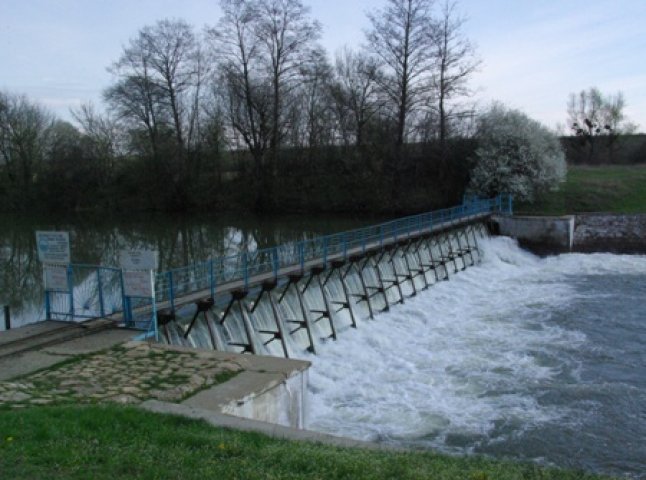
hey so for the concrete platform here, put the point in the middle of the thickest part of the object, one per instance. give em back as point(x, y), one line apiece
point(268, 389)
point(29, 361)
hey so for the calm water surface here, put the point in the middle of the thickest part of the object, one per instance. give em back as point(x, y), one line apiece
point(180, 240)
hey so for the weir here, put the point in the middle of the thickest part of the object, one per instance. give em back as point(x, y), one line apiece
point(292, 298)
point(303, 309)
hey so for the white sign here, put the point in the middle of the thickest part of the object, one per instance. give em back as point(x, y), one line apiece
point(138, 259)
point(55, 278)
point(53, 247)
point(138, 283)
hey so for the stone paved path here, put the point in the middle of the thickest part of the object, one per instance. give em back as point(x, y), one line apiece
point(128, 373)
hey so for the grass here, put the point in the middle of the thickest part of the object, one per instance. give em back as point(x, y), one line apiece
point(111, 442)
point(608, 189)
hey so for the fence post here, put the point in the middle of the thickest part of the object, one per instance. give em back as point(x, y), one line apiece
point(48, 307)
point(171, 290)
point(100, 286)
point(124, 300)
point(301, 255)
point(70, 286)
point(510, 199)
point(7, 318)
point(245, 270)
point(325, 240)
point(276, 262)
point(211, 279)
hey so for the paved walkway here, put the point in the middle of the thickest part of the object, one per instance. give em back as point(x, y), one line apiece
point(130, 373)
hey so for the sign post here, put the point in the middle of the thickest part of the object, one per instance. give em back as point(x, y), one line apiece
point(54, 254)
point(138, 280)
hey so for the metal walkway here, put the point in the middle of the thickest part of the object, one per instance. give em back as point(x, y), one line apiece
point(98, 291)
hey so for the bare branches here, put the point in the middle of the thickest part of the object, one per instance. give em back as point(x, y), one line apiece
point(400, 39)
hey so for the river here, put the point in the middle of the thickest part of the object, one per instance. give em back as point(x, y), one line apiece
point(520, 357)
point(180, 241)
point(527, 358)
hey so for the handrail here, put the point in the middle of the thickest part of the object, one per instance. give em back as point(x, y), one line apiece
point(107, 286)
point(244, 265)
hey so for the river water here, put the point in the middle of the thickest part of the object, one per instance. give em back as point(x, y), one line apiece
point(525, 358)
point(180, 241)
point(520, 357)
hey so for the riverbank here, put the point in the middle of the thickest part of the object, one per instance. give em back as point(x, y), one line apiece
point(582, 233)
point(598, 209)
point(588, 189)
point(110, 442)
point(77, 418)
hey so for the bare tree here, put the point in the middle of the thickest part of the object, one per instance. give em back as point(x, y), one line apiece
point(261, 47)
point(236, 48)
point(172, 54)
point(287, 36)
point(24, 131)
point(355, 94)
point(400, 39)
point(592, 114)
point(454, 62)
point(159, 77)
point(317, 76)
point(104, 138)
point(135, 97)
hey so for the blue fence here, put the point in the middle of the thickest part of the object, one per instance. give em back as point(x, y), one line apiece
point(92, 292)
point(98, 291)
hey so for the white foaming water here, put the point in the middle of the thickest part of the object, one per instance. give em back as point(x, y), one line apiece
point(458, 363)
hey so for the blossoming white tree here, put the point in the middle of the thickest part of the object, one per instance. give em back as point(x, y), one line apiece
point(516, 155)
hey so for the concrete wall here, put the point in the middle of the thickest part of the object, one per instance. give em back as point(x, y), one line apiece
point(590, 232)
point(270, 389)
point(538, 234)
point(280, 401)
point(617, 233)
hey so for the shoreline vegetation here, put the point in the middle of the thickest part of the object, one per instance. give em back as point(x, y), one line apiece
point(110, 442)
point(594, 189)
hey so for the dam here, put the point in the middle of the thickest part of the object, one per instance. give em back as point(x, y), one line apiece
point(292, 298)
point(534, 358)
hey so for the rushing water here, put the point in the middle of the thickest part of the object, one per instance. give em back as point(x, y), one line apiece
point(180, 240)
point(533, 359)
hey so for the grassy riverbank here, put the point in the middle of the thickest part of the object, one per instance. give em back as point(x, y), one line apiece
point(605, 188)
point(110, 442)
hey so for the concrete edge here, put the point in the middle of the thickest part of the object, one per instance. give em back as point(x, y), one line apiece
point(271, 430)
point(287, 367)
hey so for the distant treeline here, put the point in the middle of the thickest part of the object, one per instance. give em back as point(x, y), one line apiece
point(605, 150)
point(251, 113)
point(325, 179)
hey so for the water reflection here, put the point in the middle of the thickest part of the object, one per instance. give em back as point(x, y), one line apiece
point(180, 240)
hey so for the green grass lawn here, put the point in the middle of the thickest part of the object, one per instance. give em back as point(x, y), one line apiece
point(609, 189)
point(111, 442)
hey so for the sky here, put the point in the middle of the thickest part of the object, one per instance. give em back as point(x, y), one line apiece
point(534, 53)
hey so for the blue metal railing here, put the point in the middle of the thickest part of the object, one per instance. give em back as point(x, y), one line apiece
point(98, 291)
point(93, 292)
point(241, 267)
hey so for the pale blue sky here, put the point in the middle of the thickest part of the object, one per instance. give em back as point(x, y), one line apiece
point(534, 52)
